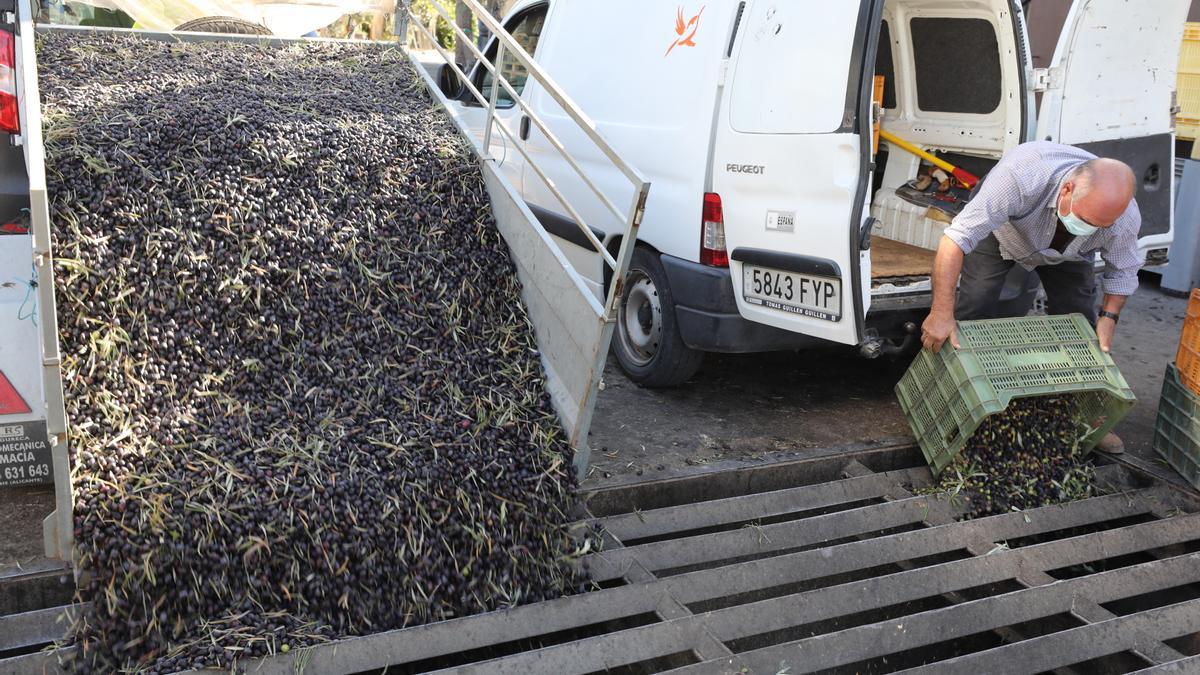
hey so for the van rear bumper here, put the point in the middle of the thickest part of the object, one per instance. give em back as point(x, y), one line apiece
point(707, 314)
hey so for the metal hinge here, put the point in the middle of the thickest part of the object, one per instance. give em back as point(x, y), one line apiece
point(1047, 78)
point(723, 73)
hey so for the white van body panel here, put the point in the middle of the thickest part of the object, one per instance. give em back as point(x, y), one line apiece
point(634, 92)
point(785, 145)
point(1113, 71)
point(1112, 78)
point(773, 92)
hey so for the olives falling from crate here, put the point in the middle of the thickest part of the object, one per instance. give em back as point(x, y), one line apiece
point(1023, 457)
point(304, 396)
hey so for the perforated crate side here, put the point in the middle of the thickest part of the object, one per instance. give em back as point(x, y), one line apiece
point(925, 394)
point(1177, 427)
point(1187, 358)
point(1193, 308)
point(1187, 84)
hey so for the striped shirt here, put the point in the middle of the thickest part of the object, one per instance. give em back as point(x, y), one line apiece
point(1019, 204)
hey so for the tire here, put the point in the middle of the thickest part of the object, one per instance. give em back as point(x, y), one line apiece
point(223, 24)
point(647, 341)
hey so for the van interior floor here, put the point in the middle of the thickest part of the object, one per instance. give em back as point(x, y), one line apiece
point(891, 259)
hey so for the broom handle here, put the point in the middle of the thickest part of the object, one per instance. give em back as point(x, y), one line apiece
point(967, 178)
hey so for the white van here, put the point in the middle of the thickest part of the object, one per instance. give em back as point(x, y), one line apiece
point(771, 223)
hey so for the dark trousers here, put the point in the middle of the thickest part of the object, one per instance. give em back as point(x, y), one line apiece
point(1070, 286)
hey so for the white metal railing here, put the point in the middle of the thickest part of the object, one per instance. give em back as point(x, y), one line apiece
point(631, 216)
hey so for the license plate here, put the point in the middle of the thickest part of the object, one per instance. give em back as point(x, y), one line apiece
point(804, 294)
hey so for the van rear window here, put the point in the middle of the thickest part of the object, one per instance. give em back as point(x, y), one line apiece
point(957, 65)
point(886, 67)
point(794, 66)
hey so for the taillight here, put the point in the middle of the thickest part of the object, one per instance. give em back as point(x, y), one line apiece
point(712, 232)
point(10, 117)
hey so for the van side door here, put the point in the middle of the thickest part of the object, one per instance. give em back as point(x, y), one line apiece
point(792, 161)
point(1110, 90)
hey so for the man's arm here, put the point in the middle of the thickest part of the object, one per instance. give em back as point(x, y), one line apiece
point(1000, 195)
point(939, 325)
point(1122, 260)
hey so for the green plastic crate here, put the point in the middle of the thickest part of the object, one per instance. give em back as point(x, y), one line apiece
point(1177, 429)
point(946, 396)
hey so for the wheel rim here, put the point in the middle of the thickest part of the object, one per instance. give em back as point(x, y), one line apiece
point(640, 318)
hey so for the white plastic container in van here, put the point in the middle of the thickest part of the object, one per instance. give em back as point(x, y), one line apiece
point(772, 224)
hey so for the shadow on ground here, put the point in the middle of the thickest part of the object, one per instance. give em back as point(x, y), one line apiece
point(747, 408)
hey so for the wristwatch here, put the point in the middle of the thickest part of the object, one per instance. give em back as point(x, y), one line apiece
point(1110, 315)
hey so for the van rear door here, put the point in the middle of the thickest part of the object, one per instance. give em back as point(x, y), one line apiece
point(791, 168)
point(1110, 90)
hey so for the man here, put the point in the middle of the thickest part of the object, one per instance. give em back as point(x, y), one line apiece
point(1049, 208)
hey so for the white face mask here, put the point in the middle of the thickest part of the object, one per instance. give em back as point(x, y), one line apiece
point(1076, 225)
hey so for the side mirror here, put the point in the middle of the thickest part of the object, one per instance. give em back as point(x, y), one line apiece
point(448, 81)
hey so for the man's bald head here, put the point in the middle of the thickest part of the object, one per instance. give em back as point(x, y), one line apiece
point(1098, 191)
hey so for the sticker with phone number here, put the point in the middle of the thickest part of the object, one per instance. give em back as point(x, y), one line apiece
point(25, 454)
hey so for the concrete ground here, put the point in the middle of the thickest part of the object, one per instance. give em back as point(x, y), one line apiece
point(743, 409)
point(1147, 338)
point(21, 512)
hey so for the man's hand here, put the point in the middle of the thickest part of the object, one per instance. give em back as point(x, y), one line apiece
point(1105, 328)
point(938, 327)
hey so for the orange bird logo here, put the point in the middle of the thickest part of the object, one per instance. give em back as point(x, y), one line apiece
point(683, 38)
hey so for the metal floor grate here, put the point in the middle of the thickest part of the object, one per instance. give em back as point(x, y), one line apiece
point(827, 565)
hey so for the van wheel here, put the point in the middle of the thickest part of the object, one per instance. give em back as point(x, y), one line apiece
point(648, 344)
